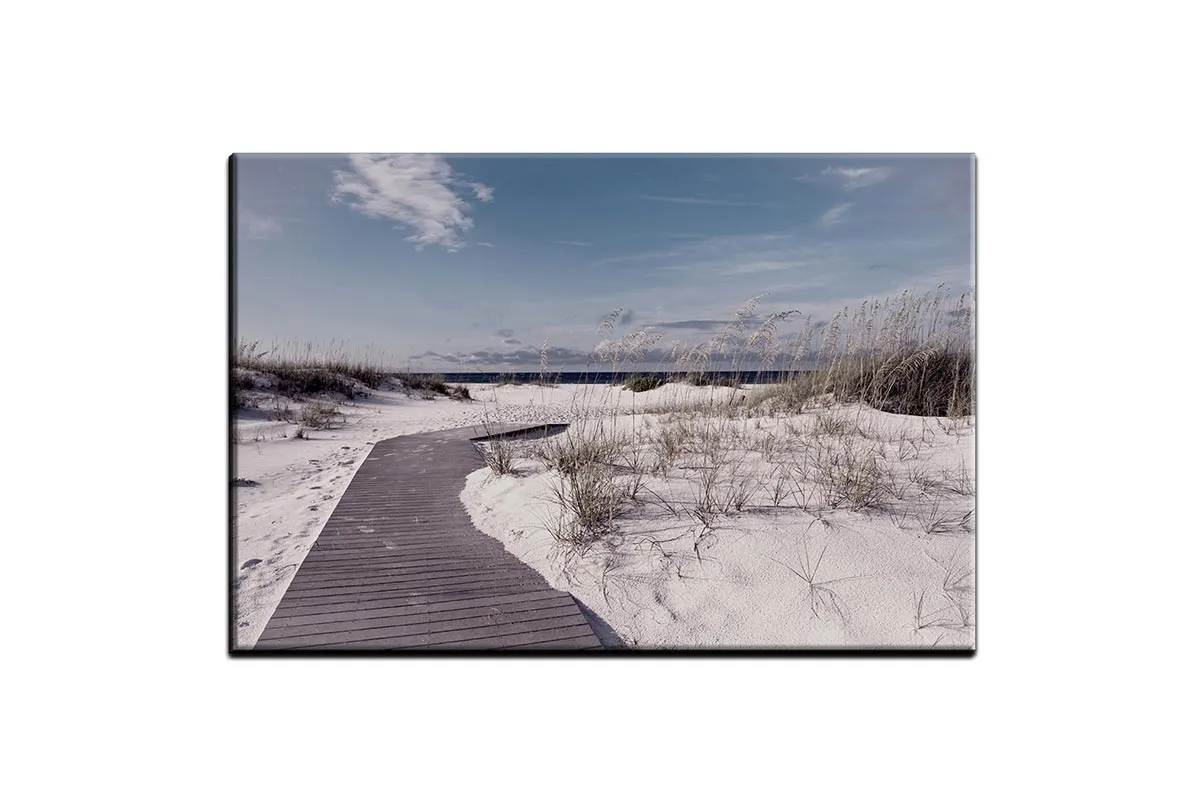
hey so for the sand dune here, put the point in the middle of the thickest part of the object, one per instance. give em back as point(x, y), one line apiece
point(778, 572)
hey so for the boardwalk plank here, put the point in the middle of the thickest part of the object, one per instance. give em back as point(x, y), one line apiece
point(327, 605)
point(476, 637)
point(457, 609)
point(485, 622)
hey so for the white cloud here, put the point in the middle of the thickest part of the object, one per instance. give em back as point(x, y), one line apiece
point(252, 225)
point(485, 244)
point(834, 215)
point(763, 266)
point(482, 192)
point(421, 192)
point(572, 244)
point(852, 179)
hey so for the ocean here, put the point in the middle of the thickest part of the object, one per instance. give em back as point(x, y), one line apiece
point(605, 377)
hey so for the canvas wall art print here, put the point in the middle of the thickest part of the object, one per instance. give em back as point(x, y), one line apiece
point(599, 405)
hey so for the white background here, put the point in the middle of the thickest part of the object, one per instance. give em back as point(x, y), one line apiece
point(119, 118)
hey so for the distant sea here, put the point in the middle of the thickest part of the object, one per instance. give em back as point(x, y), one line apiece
point(602, 377)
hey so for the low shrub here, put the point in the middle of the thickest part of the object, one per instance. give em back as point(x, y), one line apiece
point(640, 384)
point(701, 380)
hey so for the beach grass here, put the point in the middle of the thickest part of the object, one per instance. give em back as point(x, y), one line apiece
point(709, 457)
point(300, 370)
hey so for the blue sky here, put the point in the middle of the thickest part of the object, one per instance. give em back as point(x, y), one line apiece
point(463, 263)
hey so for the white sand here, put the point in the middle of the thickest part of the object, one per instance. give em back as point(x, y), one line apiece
point(882, 579)
point(655, 582)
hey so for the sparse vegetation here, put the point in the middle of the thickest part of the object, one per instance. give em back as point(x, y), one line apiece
point(801, 439)
point(319, 415)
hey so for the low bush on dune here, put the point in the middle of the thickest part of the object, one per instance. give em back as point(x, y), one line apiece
point(242, 398)
point(640, 384)
point(701, 380)
point(432, 383)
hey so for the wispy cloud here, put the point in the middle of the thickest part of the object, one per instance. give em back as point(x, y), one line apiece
point(485, 244)
point(739, 267)
point(253, 225)
point(692, 200)
point(834, 215)
point(482, 192)
point(694, 247)
point(422, 192)
point(571, 243)
point(852, 178)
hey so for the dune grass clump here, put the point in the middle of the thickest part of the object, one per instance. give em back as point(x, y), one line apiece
point(588, 491)
point(847, 473)
point(300, 371)
point(427, 383)
point(307, 370)
point(500, 456)
point(589, 503)
point(319, 415)
point(909, 355)
point(592, 446)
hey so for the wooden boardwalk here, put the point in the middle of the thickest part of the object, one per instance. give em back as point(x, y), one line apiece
point(400, 566)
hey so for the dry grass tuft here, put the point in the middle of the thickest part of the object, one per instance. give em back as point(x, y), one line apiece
point(500, 456)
